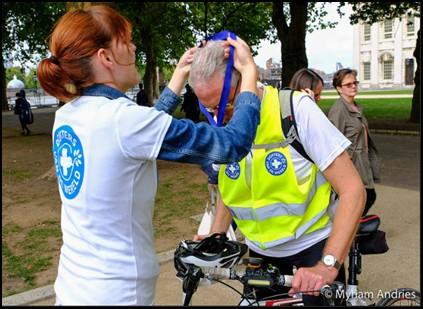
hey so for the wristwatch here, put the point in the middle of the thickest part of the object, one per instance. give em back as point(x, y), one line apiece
point(330, 260)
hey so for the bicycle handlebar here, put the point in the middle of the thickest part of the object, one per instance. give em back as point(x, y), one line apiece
point(252, 277)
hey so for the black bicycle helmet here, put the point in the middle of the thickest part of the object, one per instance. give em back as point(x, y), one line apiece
point(213, 251)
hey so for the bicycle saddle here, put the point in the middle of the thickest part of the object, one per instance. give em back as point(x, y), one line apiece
point(368, 224)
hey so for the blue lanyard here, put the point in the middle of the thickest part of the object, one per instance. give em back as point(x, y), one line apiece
point(227, 82)
point(100, 90)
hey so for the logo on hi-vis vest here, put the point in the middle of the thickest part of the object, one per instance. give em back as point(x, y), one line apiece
point(69, 161)
point(232, 170)
point(276, 163)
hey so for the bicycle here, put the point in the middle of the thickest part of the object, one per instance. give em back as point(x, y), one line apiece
point(216, 258)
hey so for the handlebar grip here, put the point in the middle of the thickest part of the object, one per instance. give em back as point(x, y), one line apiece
point(216, 273)
point(286, 280)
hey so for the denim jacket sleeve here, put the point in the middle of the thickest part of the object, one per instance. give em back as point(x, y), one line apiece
point(168, 101)
point(201, 143)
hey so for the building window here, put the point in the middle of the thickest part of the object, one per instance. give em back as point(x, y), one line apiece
point(387, 28)
point(387, 69)
point(410, 26)
point(366, 32)
point(366, 71)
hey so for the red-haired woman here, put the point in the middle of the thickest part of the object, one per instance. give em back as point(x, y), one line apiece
point(105, 148)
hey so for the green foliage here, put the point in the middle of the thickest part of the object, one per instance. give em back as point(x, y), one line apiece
point(169, 41)
point(29, 80)
point(316, 17)
point(371, 12)
point(25, 28)
point(19, 72)
point(249, 20)
point(183, 24)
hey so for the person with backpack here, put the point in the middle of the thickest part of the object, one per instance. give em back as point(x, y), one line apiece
point(23, 110)
point(295, 207)
point(308, 81)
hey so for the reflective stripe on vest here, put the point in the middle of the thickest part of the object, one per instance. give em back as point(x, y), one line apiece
point(261, 191)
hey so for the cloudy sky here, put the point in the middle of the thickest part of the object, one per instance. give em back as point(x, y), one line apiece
point(324, 48)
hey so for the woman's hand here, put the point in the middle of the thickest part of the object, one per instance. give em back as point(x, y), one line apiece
point(244, 63)
point(185, 61)
point(181, 72)
point(243, 59)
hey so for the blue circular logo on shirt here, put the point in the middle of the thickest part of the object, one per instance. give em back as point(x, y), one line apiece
point(69, 160)
point(276, 163)
point(232, 170)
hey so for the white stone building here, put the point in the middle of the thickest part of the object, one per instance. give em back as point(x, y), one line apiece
point(383, 53)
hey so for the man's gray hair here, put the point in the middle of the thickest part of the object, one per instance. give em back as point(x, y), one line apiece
point(206, 61)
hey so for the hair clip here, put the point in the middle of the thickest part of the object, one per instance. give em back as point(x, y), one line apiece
point(71, 88)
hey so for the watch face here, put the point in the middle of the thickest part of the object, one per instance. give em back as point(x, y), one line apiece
point(329, 260)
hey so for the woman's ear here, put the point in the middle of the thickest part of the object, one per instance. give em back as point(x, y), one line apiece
point(104, 57)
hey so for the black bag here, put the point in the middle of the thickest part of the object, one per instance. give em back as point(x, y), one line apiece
point(29, 116)
point(373, 243)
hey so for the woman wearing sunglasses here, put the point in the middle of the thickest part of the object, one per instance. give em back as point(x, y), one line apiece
point(348, 117)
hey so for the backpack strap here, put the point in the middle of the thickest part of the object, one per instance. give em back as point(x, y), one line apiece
point(289, 125)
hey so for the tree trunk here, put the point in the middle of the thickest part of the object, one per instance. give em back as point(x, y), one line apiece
point(4, 104)
point(292, 37)
point(156, 90)
point(150, 76)
point(415, 106)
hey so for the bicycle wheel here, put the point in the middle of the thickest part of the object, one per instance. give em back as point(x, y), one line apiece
point(400, 297)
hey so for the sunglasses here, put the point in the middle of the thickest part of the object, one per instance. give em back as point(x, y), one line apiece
point(350, 85)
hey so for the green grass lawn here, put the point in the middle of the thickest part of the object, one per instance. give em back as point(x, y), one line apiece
point(377, 108)
point(395, 109)
point(367, 92)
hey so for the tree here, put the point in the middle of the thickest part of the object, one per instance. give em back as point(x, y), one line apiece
point(292, 20)
point(25, 28)
point(372, 12)
point(249, 20)
point(182, 24)
point(11, 72)
point(161, 33)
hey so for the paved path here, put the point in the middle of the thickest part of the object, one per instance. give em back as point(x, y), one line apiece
point(370, 96)
point(398, 204)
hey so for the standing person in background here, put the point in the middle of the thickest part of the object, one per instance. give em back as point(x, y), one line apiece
point(308, 81)
point(190, 105)
point(349, 118)
point(23, 110)
point(142, 97)
point(105, 149)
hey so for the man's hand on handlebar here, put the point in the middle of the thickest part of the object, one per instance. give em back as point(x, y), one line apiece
point(312, 279)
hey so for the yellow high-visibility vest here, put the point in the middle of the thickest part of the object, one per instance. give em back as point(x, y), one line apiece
point(261, 191)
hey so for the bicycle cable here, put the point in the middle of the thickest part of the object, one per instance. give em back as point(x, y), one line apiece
point(229, 286)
